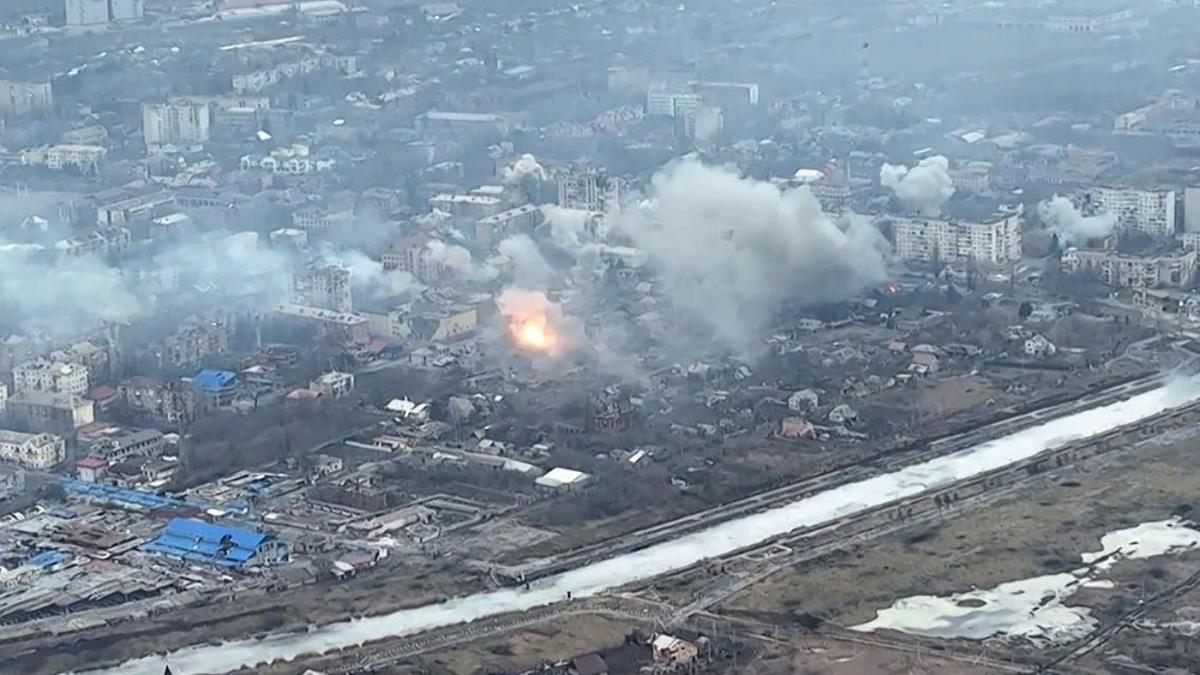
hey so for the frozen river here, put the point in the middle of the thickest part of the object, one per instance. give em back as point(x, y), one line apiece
point(682, 552)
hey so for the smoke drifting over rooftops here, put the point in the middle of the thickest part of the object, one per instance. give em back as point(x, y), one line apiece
point(925, 187)
point(1072, 227)
point(730, 250)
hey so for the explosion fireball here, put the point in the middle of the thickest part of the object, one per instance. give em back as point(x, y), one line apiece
point(534, 334)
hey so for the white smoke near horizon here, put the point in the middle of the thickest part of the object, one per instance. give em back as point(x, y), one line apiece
point(729, 251)
point(525, 165)
point(1062, 218)
point(925, 187)
point(529, 268)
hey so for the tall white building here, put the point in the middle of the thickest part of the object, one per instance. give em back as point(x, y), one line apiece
point(18, 99)
point(32, 451)
point(1151, 211)
point(87, 12)
point(3, 398)
point(125, 10)
point(176, 123)
point(53, 376)
point(995, 241)
point(671, 103)
point(324, 286)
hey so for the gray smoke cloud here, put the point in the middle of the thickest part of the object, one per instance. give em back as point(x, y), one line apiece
point(729, 251)
point(459, 261)
point(525, 165)
point(529, 268)
point(568, 227)
point(925, 187)
point(59, 296)
point(368, 278)
point(1072, 227)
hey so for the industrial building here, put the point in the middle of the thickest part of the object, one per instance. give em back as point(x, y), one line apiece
point(197, 541)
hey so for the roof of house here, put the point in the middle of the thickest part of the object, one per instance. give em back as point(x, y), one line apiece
point(197, 540)
point(590, 664)
point(213, 380)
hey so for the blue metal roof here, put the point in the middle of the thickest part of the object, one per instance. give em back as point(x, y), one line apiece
point(142, 498)
point(213, 380)
point(48, 558)
point(197, 540)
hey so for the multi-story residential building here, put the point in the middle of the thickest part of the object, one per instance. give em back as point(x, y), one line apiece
point(19, 99)
point(102, 242)
point(1150, 211)
point(333, 384)
point(589, 190)
point(87, 12)
point(43, 375)
point(84, 158)
point(467, 207)
point(49, 412)
point(664, 102)
point(411, 254)
point(491, 230)
point(176, 123)
point(318, 218)
point(126, 444)
point(324, 286)
point(31, 451)
point(191, 343)
point(994, 241)
point(3, 398)
point(1174, 269)
point(172, 404)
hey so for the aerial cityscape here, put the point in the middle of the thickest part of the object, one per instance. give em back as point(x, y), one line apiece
point(602, 337)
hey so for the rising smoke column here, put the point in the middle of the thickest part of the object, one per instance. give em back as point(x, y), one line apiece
point(525, 165)
point(926, 186)
point(730, 251)
point(528, 266)
point(459, 261)
point(1072, 227)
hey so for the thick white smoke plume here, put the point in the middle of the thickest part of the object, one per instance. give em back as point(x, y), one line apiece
point(730, 250)
point(568, 227)
point(528, 266)
point(1072, 227)
point(458, 260)
point(525, 165)
point(538, 324)
point(925, 187)
point(368, 277)
point(62, 296)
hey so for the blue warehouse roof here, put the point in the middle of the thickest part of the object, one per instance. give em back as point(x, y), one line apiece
point(213, 380)
point(197, 540)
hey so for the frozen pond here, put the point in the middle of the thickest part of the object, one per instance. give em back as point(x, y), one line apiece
point(683, 552)
point(1034, 608)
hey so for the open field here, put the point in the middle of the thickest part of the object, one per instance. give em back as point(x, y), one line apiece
point(1042, 530)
